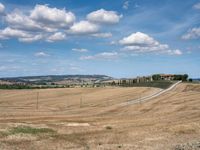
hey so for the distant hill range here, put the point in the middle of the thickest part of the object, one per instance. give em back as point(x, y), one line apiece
point(56, 79)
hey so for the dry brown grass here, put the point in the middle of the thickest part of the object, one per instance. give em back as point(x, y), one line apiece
point(100, 123)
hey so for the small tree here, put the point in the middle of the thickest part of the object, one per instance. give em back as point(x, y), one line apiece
point(190, 80)
point(184, 77)
point(178, 77)
point(156, 77)
point(113, 83)
point(124, 82)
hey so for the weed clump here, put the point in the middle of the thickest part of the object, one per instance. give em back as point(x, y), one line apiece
point(3, 134)
point(108, 127)
point(30, 130)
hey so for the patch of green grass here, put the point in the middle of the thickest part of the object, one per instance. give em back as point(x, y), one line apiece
point(30, 130)
point(3, 134)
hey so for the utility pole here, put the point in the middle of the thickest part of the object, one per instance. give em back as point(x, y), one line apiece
point(37, 100)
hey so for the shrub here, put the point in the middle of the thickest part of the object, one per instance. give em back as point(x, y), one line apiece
point(108, 127)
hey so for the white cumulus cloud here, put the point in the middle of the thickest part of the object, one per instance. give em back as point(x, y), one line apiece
point(143, 43)
point(58, 36)
point(175, 52)
point(126, 5)
point(50, 24)
point(83, 27)
point(18, 20)
point(2, 8)
point(9, 33)
point(104, 16)
point(32, 38)
point(196, 6)
point(21, 35)
point(193, 33)
point(138, 38)
point(52, 16)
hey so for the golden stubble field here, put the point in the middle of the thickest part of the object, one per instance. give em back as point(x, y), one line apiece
point(90, 118)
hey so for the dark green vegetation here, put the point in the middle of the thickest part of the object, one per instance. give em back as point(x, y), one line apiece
point(156, 77)
point(183, 77)
point(26, 130)
point(16, 86)
point(30, 130)
point(157, 84)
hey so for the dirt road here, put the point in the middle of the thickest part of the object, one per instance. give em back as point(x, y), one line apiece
point(148, 97)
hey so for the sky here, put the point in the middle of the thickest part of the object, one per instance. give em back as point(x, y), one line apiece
point(122, 38)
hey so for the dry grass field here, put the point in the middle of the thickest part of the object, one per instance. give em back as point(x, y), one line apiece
point(90, 118)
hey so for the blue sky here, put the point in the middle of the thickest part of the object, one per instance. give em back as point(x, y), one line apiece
point(124, 38)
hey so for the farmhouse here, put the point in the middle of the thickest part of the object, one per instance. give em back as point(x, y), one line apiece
point(167, 76)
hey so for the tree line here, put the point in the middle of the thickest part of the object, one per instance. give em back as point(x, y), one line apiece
point(183, 77)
